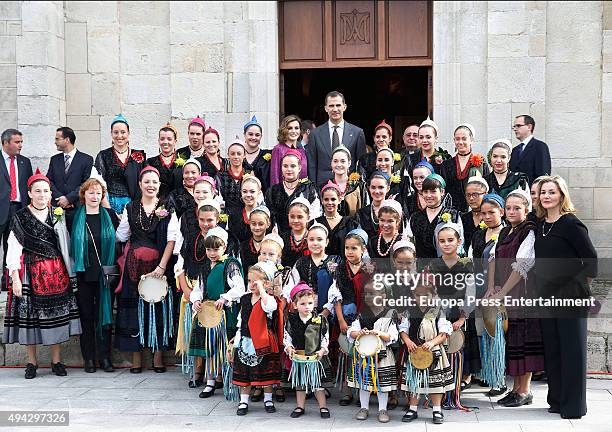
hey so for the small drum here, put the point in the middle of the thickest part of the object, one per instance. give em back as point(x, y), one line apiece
point(209, 317)
point(455, 341)
point(152, 289)
point(489, 316)
point(306, 371)
point(368, 345)
point(345, 345)
point(421, 358)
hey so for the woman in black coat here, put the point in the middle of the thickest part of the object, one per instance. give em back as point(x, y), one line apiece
point(566, 262)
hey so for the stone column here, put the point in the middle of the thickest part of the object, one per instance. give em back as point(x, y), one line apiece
point(10, 29)
point(41, 99)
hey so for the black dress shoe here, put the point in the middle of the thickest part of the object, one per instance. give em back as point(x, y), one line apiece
point(136, 370)
point(106, 365)
point(509, 396)
point(497, 391)
point(409, 416)
point(519, 400)
point(539, 376)
point(554, 410)
point(58, 369)
point(571, 417)
point(89, 366)
point(298, 412)
point(243, 408)
point(346, 400)
point(269, 407)
point(207, 392)
point(30, 371)
point(196, 382)
point(159, 369)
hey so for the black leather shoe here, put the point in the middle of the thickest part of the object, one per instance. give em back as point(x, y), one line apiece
point(30, 371)
point(159, 369)
point(106, 365)
point(497, 391)
point(136, 370)
point(298, 412)
point(554, 410)
point(269, 407)
point(206, 393)
point(346, 400)
point(509, 396)
point(324, 412)
point(519, 400)
point(89, 366)
point(438, 417)
point(58, 369)
point(409, 416)
point(243, 409)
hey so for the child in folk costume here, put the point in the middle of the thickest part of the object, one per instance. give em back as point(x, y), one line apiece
point(424, 325)
point(296, 245)
point(259, 222)
point(307, 333)
point(256, 354)
point(192, 266)
point(375, 373)
point(455, 281)
point(223, 285)
point(347, 296)
point(390, 216)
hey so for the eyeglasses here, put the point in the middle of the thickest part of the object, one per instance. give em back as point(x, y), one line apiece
point(474, 195)
point(516, 126)
point(411, 134)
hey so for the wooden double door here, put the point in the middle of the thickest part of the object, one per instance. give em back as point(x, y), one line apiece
point(378, 53)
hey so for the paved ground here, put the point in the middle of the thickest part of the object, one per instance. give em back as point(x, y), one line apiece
point(121, 401)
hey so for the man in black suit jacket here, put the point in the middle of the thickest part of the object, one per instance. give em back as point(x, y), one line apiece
point(12, 200)
point(324, 139)
point(67, 171)
point(531, 156)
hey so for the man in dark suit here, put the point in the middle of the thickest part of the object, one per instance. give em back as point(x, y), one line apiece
point(531, 156)
point(15, 170)
point(67, 171)
point(324, 139)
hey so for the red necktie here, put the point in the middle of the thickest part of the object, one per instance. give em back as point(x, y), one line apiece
point(13, 175)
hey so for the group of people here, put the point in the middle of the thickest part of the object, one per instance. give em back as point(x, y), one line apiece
point(272, 261)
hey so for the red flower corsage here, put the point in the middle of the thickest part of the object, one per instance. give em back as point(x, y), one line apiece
point(138, 157)
point(476, 160)
point(306, 252)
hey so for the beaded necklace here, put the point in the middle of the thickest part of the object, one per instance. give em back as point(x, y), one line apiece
point(391, 243)
point(148, 218)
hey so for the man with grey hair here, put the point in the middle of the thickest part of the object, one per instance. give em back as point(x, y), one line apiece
point(16, 170)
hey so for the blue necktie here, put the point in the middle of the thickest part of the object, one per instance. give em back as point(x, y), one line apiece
point(520, 149)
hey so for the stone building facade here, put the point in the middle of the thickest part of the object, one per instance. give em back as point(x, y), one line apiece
point(79, 63)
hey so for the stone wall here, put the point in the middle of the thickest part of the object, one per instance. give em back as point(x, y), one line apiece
point(80, 63)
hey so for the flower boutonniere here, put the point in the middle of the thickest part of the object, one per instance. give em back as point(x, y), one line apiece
point(179, 161)
point(306, 253)
point(267, 157)
point(397, 157)
point(395, 178)
point(477, 159)
point(279, 267)
point(446, 217)
point(223, 217)
point(317, 319)
point(161, 212)
point(439, 156)
point(58, 213)
point(304, 181)
point(354, 178)
point(223, 258)
point(138, 157)
point(482, 225)
point(332, 266)
point(494, 237)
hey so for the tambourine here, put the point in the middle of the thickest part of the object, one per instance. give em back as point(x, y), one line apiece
point(368, 345)
point(209, 316)
point(152, 289)
point(455, 341)
point(489, 316)
point(345, 345)
point(421, 358)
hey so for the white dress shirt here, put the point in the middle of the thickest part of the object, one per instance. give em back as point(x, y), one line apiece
point(340, 131)
point(7, 162)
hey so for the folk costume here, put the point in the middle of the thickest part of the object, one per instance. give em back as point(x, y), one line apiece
point(278, 153)
point(47, 312)
point(308, 336)
point(148, 235)
point(121, 178)
point(187, 152)
point(374, 374)
point(513, 181)
point(278, 201)
point(422, 325)
point(170, 174)
point(260, 167)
